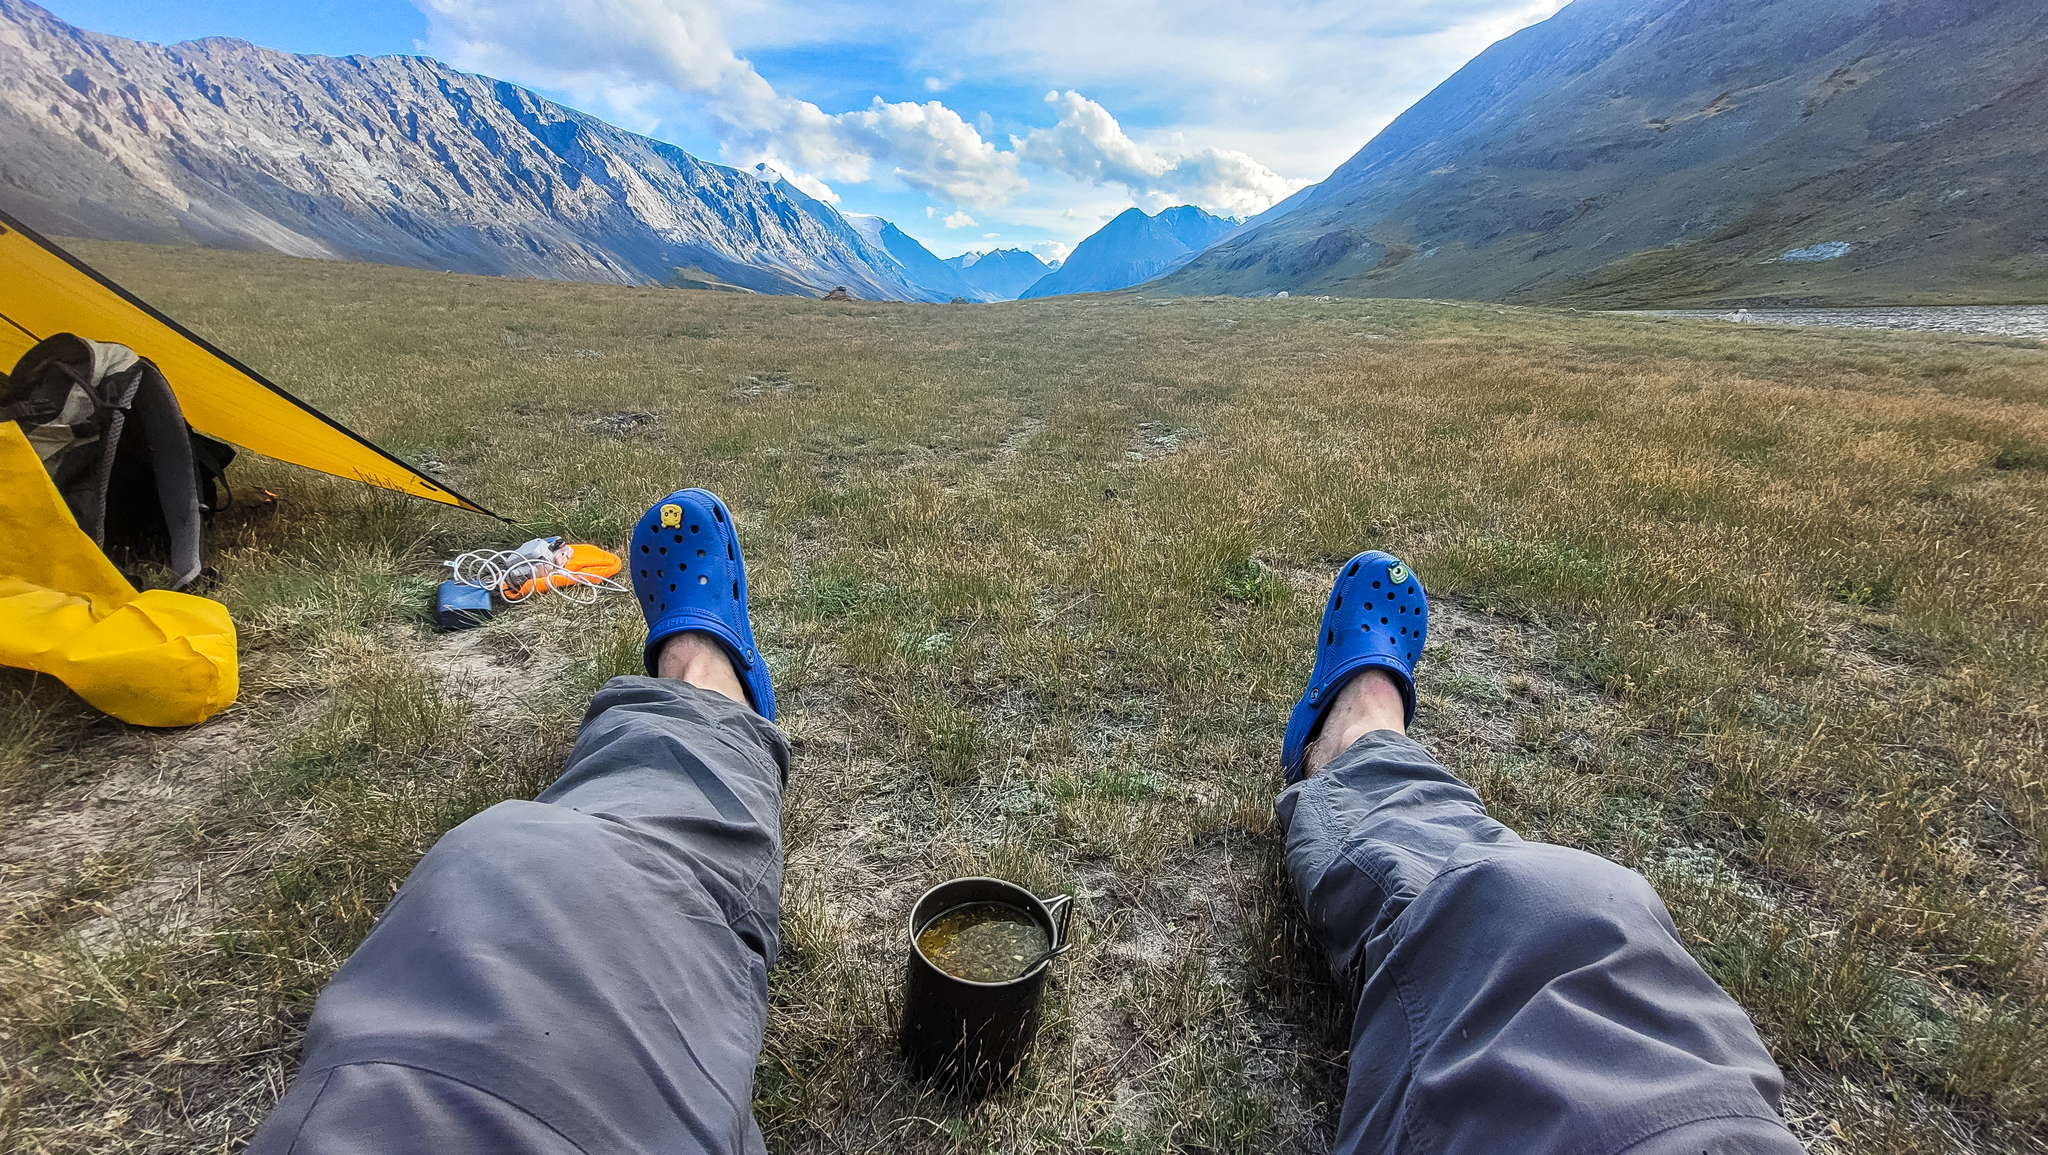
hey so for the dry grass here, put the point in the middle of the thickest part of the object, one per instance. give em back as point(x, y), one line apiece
point(1757, 612)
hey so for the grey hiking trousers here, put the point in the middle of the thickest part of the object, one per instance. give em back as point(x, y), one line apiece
point(1512, 996)
point(587, 972)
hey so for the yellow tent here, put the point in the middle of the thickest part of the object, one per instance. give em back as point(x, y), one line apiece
point(154, 658)
point(45, 290)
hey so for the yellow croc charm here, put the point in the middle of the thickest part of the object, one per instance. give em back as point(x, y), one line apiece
point(671, 516)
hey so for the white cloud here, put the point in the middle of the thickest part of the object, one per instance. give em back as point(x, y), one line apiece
point(625, 53)
point(1301, 85)
point(1089, 145)
point(1051, 252)
point(960, 220)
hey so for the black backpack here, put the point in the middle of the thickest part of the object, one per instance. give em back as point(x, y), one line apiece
point(108, 428)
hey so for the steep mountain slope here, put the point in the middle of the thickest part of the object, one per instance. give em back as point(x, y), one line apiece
point(920, 266)
point(1003, 273)
point(392, 159)
point(1711, 151)
point(1133, 248)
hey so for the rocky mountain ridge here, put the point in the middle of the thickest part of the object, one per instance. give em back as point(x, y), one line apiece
point(1714, 152)
point(400, 160)
point(919, 264)
point(1133, 247)
point(1000, 273)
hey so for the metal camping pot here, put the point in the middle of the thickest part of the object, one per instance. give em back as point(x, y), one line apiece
point(970, 1033)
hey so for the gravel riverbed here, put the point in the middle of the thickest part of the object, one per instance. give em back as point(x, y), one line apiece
point(2002, 320)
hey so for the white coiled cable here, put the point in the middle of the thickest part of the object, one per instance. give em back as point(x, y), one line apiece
point(505, 570)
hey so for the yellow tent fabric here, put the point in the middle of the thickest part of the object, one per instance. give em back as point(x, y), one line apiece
point(155, 658)
point(45, 290)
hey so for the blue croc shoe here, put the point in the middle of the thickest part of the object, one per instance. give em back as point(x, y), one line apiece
point(688, 575)
point(1378, 616)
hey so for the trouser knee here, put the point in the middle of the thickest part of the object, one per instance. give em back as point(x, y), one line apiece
point(527, 840)
point(1535, 892)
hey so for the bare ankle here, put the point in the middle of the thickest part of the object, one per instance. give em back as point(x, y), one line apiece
point(697, 658)
point(1370, 701)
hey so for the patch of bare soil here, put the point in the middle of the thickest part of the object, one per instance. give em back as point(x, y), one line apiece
point(99, 841)
point(1013, 443)
point(125, 850)
point(1152, 440)
point(500, 667)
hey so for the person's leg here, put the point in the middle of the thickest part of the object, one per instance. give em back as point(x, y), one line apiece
point(584, 972)
point(1511, 996)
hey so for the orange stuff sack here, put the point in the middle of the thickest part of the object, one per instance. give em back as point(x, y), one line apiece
point(588, 561)
point(155, 658)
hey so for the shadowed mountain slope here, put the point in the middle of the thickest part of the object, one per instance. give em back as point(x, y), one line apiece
point(1132, 248)
point(399, 160)
point(920, 266)
point(1003, 273)
point(1627, 152)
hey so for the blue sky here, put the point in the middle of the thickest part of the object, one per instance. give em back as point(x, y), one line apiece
point(971, 125)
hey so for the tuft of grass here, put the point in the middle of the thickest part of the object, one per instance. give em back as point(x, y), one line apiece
point(1999, 1057)
point(949, 738)
point(2015, 455)
point(1251, 582)
point(1877, 591)
point(23, 724)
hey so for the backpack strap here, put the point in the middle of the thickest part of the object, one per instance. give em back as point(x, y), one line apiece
point(211, 458)
point(161, 423)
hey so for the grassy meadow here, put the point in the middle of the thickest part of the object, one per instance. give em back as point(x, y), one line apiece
point(1757, 612)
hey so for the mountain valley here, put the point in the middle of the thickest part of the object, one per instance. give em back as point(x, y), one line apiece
point(1715, 152)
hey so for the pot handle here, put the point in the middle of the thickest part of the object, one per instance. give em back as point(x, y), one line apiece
point(1061, 908)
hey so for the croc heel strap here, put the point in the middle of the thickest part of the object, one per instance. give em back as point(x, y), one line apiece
point(1377, 618)
point(688, 575)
